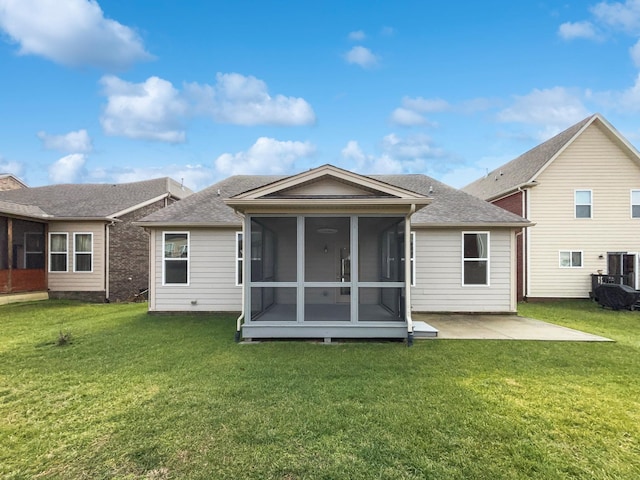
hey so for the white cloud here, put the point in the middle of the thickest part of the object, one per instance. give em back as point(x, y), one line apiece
point(13, 167)
point(412, 147)
point(245, 100)
point(357, 36)
point(635, 54)
point(70, 32)
point(555, 109)
point(72, 142)
point(426, 105)
point(67, 169)
point(266, 156)
point(362, 56)
point(151, 110)
point(406, 118)
point(619, 15)
point(571, 30)
point(387, 31)
point(414, 153)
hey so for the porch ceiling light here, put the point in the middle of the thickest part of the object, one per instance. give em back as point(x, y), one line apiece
point(327, 230)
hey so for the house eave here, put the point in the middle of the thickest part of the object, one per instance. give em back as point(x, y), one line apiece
point(187, 224)
point(319, 204)
point(467, 225)
point(511, 191)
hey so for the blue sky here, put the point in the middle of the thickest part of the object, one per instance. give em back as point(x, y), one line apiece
point(113, 91)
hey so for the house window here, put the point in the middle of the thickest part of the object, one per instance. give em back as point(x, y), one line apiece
point(475, 258)
point(570, 259)
point(83, 252)
point(58, 260)
point(583, 203)
point(175, 246)
point(635, 203)
point(239, 257)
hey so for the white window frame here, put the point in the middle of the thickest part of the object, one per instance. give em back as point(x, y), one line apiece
point(75, 253)
point(52, 252)
point(637, 192)
point(487, 259)
point(576, 204)
point(180, 259)
point(239, 260)
point(571, 252)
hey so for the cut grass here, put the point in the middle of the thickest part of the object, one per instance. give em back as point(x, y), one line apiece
point(139, 396)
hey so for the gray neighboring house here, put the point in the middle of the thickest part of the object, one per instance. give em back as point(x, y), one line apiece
point(322, 254)
point(9, 181)
point(77, 240)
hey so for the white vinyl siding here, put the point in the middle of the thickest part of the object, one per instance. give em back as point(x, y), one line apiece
point(212, 274)
point(592, 160)
point(439, 272)
point(80, 281)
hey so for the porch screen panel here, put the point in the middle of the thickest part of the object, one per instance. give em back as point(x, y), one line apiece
point(4, 248)
point(381, 304)
point(273, 249)
point(381, 249)
point(327, 245)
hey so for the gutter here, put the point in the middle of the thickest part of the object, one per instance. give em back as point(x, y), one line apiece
point(407, 274)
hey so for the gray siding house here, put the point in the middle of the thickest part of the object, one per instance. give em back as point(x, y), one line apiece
point(330, 253)
point(77, 240)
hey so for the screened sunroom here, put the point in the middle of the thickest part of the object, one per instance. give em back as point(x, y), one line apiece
point(334, 265)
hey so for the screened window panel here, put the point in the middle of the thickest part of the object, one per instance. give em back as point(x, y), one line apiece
point(635, 203)
point(576, 259)
point(83, 242)
point(475, 272)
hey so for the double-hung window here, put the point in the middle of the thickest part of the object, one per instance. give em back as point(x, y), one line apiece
point(175, 246)
point(570, 259)
point(635, 203)
point(58, 252)
point(239, 257)
point(583, 203)
point(83, 252)
point(475, 258)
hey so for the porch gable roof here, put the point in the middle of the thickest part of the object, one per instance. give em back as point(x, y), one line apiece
point(448, 207)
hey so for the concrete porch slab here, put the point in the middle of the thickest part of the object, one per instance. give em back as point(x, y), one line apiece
point(502, 327)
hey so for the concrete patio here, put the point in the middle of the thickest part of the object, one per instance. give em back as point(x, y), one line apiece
point(502, 327)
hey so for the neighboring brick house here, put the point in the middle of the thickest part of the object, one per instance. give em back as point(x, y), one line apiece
point(581, 188)
point(77, 240)
point(10, 182)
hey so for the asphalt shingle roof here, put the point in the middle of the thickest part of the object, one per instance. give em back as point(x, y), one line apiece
point(449, 207)
point(85, 200)
point(522, 169)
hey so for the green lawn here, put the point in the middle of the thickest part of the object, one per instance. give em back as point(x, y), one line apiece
point(159, 397)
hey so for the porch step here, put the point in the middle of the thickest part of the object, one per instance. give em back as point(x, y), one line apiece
point(424, 330)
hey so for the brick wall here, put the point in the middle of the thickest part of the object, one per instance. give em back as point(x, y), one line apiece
point(129, 255)
point(513, 203)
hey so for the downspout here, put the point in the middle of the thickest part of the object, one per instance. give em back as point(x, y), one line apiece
point(407, 274)
point(238, 334)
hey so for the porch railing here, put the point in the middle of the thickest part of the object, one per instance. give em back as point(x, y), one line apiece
point(599, 279)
